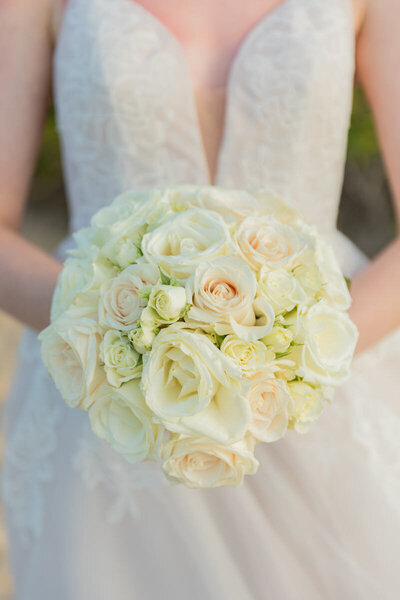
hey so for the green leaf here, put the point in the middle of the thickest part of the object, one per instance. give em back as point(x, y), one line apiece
point(219, 339)
point(165, 280)
point(348, 282)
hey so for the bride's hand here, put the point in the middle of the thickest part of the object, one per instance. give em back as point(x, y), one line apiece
point(27, 274)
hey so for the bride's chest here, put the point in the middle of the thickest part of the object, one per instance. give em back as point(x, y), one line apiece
point(128, 113)
point(120, 52)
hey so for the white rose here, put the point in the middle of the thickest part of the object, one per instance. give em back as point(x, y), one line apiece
point(130, 208)
point(186, 240)
point(232, 205)
point(249, 356)
point(334, 288)
point(194, 388)
point(121, 225)
point(329, 344)
point(269, 400)
point(222, 292)
point(280, 289)
point(70, 353)
point(279, 339)
point(87, 244)
point(79, 276)
point(121, 362)
point(167, 304)
point(142, 338)
point(200, 463)
point(123, 248)
point(307, 405)
point(264, 241)
point(121, 209)
point(310, 279)
point(122, 418)
point(121, 304)
point(285, 368)
point(272, 204)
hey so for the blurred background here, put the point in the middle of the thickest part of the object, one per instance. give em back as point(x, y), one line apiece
point(366, 216)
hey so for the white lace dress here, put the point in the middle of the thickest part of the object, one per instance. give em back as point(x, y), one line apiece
point(321, 518)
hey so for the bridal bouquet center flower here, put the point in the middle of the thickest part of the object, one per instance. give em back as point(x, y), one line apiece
point(193, 323)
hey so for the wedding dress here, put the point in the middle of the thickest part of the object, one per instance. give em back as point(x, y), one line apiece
point(321, 518)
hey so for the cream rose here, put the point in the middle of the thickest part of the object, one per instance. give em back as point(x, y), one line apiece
point(249, 356)
point(142, 338)
point(70, 353)
point(307, 405)
point(186, 240)
point(122, 418)
point(279, 339)
point(269, 401)
point(130, 209)
point(334, 288)
point(121, 225)
point(200, 463)
point(79, 281)
point(264, 241)
point(329, 344)
point(232, 205)
point(121, 303)
point(222, 292)
point(310, 279)
point(279, 209)
point(167, 304)
point(280, 289)
point(194, 388)
point(121, 362)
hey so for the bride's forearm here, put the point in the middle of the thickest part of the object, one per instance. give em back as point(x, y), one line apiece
point(27, 279)
point(376, 297)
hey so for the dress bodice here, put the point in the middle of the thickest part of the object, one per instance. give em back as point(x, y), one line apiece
point(127, 117)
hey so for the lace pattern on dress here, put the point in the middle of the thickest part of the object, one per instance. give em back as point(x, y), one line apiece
point(99, 464)
point(28, 463)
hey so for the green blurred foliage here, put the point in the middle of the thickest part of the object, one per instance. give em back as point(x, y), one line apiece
point(48, 165)
point(363, 143)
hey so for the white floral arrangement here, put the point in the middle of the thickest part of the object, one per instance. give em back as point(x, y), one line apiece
point(193, 323)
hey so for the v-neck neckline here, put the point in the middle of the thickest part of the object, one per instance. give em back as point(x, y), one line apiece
point(235, 62)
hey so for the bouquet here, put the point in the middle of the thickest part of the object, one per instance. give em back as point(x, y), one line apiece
point(193, 323)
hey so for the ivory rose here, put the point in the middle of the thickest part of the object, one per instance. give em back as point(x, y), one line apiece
point(142, 338)
point(194, 388)
point(249, 356)
point(186, 240)
point(121, 362)
point(306, 407)
point(330, 339)
point(275, 206)
point(264, 241)
point(269, 401)
point(79, 279)
point(70, 353)
point(334, 288)
point(123, 237)
point(279, 339)
point(199, 463)
point(166, 304)
point(121, 304)
point(222, 293)
point(280, 289)
point(122, 418)
point(233, 205)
